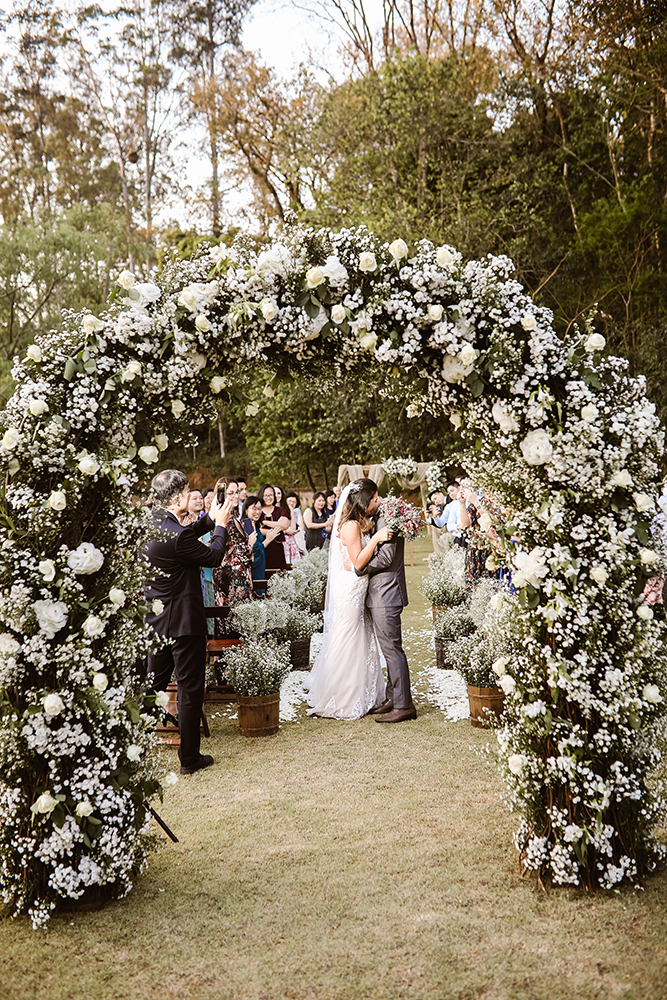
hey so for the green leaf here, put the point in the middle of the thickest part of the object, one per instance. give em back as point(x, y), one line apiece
point(70, 369)
point(634, 720)
point(312, 307)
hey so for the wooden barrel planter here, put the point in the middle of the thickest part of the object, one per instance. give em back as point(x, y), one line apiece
point(300, 654)
point(484, 702)
point(259, 716)
point(437, 608)
point(442, 659)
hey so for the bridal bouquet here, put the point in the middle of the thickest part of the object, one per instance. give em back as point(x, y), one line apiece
point(401, 517)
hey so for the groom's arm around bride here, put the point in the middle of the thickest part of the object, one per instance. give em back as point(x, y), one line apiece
point(386, 597)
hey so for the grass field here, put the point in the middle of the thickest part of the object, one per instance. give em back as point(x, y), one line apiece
point(345, 861)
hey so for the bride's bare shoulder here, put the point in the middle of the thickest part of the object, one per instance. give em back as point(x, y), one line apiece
point(350, 531)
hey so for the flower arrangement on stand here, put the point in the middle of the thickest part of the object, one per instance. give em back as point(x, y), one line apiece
point(399, 468)
point(436, 476)
point(560, 435)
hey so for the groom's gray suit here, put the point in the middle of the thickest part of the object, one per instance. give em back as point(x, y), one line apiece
point(387, 596)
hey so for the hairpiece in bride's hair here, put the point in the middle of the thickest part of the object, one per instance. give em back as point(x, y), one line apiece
point(354, 487)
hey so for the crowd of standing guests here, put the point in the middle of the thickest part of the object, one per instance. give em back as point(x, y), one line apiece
point(266, 533)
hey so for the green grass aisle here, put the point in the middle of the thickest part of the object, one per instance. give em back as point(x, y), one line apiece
point(345, 861)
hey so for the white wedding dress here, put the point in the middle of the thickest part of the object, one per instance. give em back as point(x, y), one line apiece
point(346, 680)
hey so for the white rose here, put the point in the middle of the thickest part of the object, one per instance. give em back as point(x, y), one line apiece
point(536, 447)
point(621, 478)
point(644, 501)
point(648, 557)
point(177, 407)
point(133, 752)
point(198, 361)
point(645, 612)
point(251, 410)
point(314, 277)
point(651, 693)
point(149, 454)
point(188, 300)
point(47, 568)
point(117, 596)
point(89, 465)
point(100, 682)
point(157, 607)
point(85, 559)
point(57, 500)
point(503, 416)
point(51, 616)
point(444, 257)
point(269, 309)
point(53, 705)
point(595, 342)
point(91, 324)
point(467, 356)
point(131, 371)
point(334, 271)
point(83, 808)
point(93, 626)
point(37, 407)
point(203, 323)
point(45, 804)
point(499, 666)
point(398, 249)
point(125, 279)
point(435, 312)
point(528, 322)
point(34, 353)
point(516, 762)
point(217, 383)
point(8, 644)
point(412, 411)
point(274, 261)
point(599, 574)
point(497, 602)
point(368, 340)
point(485, 521)
point(367, 261)
point(10, 438)
point(589, 413)
point(162, 441)
point(490, 564)
point(532, 565)
point(452, 369)
point(507, 683)
point(148, 292)
point(338, 314)
point(170, 779)
point(518, 579)
point(162, 699)
point(456, 419)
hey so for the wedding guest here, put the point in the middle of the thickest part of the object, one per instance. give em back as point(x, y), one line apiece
point(252, 513)
point(337, 492)
point(330, 509)
point(243, 494)
point(195, 508)
point(272, 517)
point(177, 556)
point(314, 519)
point(288, 546)
point(436, 509)
point(476, 553)
point(298, 537)
point(232, 580)
point(208, 495)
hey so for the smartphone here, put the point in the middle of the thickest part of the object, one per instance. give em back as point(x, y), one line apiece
point(222, 492)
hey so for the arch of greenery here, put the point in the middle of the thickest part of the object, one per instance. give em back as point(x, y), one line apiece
point(563, 437)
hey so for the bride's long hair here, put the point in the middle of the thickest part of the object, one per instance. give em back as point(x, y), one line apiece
point(361, 493)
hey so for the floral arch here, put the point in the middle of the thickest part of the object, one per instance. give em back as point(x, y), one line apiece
point(564, 438)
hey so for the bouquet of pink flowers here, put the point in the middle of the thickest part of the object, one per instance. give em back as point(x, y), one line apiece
point(401, 517)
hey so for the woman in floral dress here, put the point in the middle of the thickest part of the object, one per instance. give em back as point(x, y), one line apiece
point(232, 581)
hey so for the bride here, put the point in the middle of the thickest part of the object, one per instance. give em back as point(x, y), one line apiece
point(346, 680)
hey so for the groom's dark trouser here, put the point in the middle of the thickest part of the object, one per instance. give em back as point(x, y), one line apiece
point(387, 622)
point(186, 657)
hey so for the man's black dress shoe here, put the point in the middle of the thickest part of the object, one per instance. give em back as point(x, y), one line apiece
point(204, 761)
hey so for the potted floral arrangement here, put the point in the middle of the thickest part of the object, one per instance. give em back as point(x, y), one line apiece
point(481, 655)
point(256, 671)
point(444, 587)
point(305, 585)
point(450, 625)
point(283, 621)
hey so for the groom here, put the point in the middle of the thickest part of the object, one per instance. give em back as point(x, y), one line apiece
point(386, 597)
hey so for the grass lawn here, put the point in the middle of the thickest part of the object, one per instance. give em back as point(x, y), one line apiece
point(338, 861)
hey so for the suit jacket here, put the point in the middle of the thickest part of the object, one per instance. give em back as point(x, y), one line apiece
point(179, 556)
point(386, 571)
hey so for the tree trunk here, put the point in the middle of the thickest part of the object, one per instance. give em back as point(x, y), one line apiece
point(222, 437)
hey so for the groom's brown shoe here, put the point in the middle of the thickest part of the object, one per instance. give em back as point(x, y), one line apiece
point(399, 715)
point(382, 709)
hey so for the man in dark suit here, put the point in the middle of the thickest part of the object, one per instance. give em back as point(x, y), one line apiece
point(178, 556)
point(386, 597)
